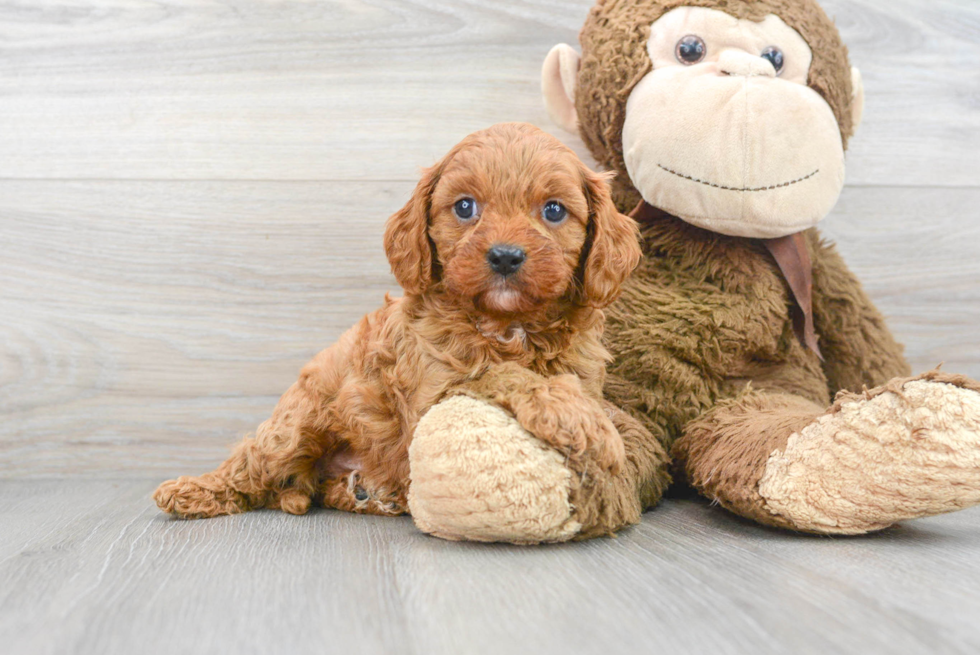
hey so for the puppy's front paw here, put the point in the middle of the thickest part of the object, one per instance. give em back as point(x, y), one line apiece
point(198, 498)
point(560, 414)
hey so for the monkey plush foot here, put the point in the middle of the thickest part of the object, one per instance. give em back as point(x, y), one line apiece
point(477, 475)
point(906, 450)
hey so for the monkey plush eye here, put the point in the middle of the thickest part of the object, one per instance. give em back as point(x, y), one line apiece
point(554, 212)
point(691, 49)
point(775, 57)
point(465, 209)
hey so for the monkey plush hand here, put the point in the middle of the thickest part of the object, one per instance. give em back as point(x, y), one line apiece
point(726, 123)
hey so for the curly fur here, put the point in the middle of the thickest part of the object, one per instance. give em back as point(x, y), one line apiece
point(340, 434)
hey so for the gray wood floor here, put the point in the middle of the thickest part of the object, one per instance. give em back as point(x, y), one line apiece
point(92, 568)
point(192, 197)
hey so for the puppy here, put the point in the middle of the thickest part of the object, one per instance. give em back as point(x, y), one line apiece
point(507, 251)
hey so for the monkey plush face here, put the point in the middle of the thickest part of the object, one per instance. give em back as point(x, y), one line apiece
point(734, 120)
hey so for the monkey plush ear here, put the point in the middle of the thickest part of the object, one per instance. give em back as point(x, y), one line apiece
point(857, 97)
point(558, 77)
point(614, 250)
point(407, 242)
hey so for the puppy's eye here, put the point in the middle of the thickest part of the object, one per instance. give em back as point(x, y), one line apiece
point(465, 209)
point(554, 212)
point(775, 57)
point(691, 49)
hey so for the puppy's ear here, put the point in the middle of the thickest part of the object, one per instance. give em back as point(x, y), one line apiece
point(614, 249)
point(407, 243)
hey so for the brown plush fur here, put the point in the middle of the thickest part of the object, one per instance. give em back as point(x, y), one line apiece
point(704, 349)
point(705, 355)
point(615, 59)
point(605, 502)
point(341, 432)
point(727, 466)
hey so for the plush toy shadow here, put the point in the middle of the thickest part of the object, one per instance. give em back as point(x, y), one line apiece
point(747, 355)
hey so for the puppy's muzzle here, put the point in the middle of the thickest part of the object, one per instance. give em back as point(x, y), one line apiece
point(505, 260)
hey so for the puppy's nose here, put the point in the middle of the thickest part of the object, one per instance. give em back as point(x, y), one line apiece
point(505, 259)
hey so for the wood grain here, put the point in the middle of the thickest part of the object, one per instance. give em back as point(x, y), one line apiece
point(915, 251)
point(368, 90)
point(192, 197)
point(91, 567)
point(146, 321)
point(148, 325)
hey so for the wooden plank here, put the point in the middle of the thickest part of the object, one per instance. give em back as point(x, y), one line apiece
point(117, 577)
point(123, 578)
point(148, 325)
point(166, 318)
point(915, 251)
point(901, 48)
point(145, 324)
point(355, 90)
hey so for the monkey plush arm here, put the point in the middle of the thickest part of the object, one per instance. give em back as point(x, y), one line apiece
point(478, 473)
point(858, 348)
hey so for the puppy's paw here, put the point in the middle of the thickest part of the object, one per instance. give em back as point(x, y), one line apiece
point(293, 501)
point(560, 414)
point(198, 498)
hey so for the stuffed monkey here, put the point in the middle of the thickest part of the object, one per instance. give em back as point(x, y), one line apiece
point(743, 346)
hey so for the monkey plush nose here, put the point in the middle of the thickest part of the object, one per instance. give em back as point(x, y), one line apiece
point(739, 63)
point(505, 259)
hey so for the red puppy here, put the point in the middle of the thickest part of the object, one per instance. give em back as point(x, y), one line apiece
point(507, 250)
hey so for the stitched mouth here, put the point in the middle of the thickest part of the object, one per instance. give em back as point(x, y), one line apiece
point(729, 188)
